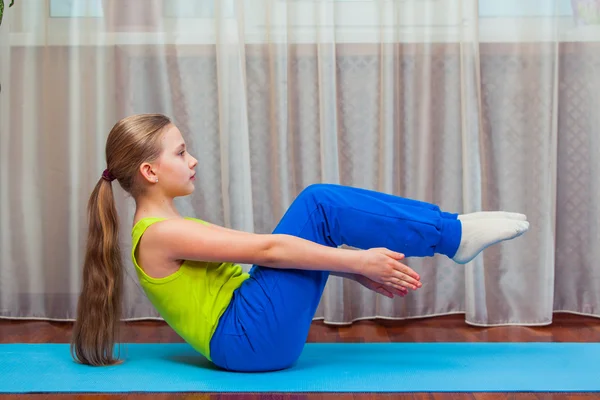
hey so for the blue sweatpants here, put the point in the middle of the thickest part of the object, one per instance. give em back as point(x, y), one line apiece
point(266, 324)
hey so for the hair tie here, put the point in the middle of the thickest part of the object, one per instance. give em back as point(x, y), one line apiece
point(107, 176)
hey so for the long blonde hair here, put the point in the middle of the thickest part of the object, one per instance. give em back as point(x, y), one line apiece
point(132, 141)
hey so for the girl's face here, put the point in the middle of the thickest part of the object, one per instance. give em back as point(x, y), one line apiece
point(175, 166)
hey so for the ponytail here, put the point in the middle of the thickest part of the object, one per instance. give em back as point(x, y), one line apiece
point(131, 142)
point(99, 307)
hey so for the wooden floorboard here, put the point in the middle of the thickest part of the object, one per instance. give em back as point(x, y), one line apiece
point(565, 328)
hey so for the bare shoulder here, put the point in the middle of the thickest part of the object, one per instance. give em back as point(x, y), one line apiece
point(153, 252)
point(162, 234)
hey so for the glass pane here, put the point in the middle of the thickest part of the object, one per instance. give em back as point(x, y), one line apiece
point(76, 8)
point(524, 8)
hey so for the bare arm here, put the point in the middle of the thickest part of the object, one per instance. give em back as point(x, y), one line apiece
point(190, 240)
point(356, 277)
point(345, 275)
point(181, 239)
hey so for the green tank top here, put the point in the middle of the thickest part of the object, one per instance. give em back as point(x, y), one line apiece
point(192, 299)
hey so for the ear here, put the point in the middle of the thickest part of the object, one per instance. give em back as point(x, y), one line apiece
point(148, 172)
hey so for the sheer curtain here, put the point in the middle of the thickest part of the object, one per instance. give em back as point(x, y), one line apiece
point(473, 105)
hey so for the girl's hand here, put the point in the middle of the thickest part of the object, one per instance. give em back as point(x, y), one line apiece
point(380, 287)
point(383, 266)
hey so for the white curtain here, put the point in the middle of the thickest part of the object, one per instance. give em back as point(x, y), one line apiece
point(469, 104)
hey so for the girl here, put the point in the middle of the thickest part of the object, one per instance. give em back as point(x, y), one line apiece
point(189, 269)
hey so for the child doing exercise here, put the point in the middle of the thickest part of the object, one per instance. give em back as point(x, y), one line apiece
point(190, 269)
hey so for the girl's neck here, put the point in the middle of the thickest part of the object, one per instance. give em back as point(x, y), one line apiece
point(153, 207)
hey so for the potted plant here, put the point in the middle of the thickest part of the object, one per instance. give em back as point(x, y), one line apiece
point(2, 15)
point(2, 8)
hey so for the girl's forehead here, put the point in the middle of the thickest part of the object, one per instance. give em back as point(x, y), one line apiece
point(172, 135)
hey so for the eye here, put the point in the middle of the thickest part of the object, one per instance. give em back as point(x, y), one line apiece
point(182, 152)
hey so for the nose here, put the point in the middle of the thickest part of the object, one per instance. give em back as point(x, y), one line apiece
point(193, 162)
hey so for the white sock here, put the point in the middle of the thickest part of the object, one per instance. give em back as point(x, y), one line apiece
point(492, 214)
point(478, 234)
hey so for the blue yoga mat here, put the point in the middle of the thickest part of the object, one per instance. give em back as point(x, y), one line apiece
point(372, 367)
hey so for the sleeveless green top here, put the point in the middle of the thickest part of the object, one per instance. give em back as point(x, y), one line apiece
point(192, 299)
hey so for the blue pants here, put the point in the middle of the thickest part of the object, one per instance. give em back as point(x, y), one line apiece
point(266, 324)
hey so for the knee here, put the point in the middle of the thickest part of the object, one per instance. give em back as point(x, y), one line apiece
point(314, 192)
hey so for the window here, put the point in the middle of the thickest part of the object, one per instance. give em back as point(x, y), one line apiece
point(76, 8)
point(524, 8)
point(353, 21)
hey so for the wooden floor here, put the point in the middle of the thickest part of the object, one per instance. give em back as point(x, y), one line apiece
point(565, 328)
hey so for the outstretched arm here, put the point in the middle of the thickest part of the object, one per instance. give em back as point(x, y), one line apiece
point(182, 239)
point(363, 280)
